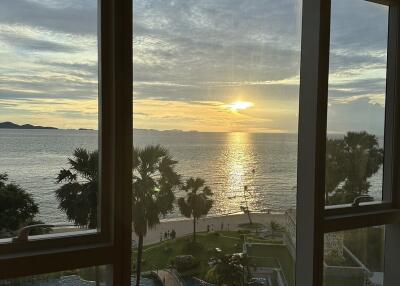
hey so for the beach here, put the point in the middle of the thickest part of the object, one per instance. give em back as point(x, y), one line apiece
point(184, 226)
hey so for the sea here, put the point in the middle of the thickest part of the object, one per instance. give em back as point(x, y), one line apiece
point(265, 163)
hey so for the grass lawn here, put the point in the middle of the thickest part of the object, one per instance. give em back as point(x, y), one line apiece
point(254, 225)
point(159, 255)
point(279, 252)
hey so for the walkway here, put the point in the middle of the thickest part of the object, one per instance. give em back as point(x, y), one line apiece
point(168, 278)
point(184, 226)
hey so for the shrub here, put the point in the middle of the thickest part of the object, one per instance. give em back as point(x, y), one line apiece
point(184, 262)
point(192, 247)
point(167, 249)
point(275, 226)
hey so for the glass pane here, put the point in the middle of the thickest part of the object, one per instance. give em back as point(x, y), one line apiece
point(215, 105)
point(96, 276)
point(356, 109)
point(48, 116)
point(354, 257)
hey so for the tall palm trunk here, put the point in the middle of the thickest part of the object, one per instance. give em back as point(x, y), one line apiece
point(194, 230)
point(139, 260)
point(249, 216)
point(248, 213)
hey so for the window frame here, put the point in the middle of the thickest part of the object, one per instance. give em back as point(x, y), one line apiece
point(313, 218)
point(111, 244)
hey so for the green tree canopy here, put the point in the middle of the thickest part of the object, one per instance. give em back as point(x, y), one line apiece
point(154, 182)
point(229, 270)
point(351, 161)
point(197, 202)
point(17, 207)
point(77, 197)
point(335, 172)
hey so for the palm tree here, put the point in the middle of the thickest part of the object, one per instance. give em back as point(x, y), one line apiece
point(77, 197)
point(197, 202)
point(154, 182)
point(245, 209)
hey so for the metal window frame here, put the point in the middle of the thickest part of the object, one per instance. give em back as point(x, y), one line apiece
point(313, 219)
point(111, 244)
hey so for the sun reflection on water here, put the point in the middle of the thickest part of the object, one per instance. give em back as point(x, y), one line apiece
point(240, 168)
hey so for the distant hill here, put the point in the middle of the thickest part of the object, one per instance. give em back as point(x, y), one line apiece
point(11, 125)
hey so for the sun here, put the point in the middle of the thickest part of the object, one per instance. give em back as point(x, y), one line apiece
point(240, 105)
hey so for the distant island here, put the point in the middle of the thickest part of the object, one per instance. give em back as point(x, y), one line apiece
point(11, 125)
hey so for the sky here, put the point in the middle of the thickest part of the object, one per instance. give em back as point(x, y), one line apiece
point(193, 61)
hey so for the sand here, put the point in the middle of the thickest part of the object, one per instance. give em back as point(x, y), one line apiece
point(184, 226)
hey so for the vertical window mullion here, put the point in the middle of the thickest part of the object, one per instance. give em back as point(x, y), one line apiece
point(106, 114)
point(392, 158)
point(312, 140)
point(123, 82)
point(390, 107)
point(117, 127)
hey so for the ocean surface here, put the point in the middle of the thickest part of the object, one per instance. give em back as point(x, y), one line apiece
point(266, 163)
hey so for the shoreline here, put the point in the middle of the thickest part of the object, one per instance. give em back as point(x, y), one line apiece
point(184, 226)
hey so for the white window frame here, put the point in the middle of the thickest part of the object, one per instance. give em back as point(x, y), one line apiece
point(313, 219)
point(111, 243)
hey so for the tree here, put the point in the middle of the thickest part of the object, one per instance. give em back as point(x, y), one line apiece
point(77, 197)
point(245, 209)
point(335, 172)
point(276, 227)
point(17, 207)
point(360, 158)
point(229, 270)
point(198, 201)
point(154, 182)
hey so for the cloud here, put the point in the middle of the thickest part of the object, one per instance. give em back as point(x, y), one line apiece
point(31, 44)
point(212, 116)
point(38, 63)
point(62, 16)
point(359, 26)
point(356, 114)
point(62, 113)
point(190, 58)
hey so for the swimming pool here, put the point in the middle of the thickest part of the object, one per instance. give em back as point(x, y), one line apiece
point(195, 282)
point(144, 281)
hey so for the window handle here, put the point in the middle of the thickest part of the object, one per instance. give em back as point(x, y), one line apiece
point(23, 233)
point(362, 199)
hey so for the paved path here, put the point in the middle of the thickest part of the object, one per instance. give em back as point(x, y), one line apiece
point(184, 226)
point(168, 278)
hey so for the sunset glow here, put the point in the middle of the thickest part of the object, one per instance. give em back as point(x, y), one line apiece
point(209, 74)
point(240, 105)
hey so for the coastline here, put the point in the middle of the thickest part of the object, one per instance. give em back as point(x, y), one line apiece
point(184, 226)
